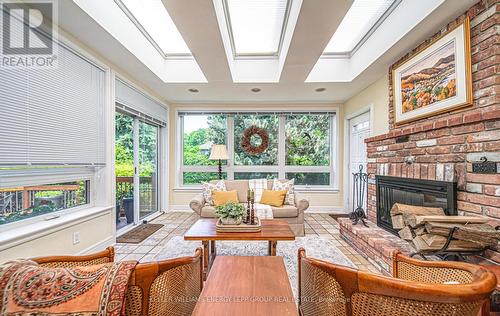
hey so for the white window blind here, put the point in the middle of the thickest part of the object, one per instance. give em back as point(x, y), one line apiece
point(53, 116)
point(137, 103)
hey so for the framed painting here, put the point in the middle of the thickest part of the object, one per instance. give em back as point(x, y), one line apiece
point(437, 79)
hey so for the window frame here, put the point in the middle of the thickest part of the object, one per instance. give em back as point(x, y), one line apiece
point(34, 177)
point(281, 168)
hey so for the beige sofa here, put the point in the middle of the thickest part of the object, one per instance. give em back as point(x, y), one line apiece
point(293, 214)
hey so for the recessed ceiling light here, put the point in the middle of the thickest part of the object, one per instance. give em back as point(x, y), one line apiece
point(320, 89)
point(255, 90)
point(193, 90)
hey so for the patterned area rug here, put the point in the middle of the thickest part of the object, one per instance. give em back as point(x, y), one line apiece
point(316, 247)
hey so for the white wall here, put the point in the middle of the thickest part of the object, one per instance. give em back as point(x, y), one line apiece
point(377, 96)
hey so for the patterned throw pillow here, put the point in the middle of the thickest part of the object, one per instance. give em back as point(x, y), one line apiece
point(258, 186)
point(288, 185)
point(208, 188)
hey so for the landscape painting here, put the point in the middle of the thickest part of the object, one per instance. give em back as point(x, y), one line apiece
point(437, 79)
point(430, 80)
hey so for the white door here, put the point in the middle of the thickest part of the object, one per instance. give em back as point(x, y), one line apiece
point(359, 129)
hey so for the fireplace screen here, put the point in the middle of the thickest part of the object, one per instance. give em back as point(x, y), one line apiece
point(417, 192)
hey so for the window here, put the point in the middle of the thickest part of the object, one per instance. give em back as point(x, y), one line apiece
point(301, 146)
point(200, 132)
point(357, 23)
point(256, 27)
point(30, 201)
point(152, 16)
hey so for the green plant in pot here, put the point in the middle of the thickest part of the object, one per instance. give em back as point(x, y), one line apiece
point(230, 213)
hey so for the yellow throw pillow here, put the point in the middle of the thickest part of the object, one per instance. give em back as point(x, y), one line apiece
point(273, 198)
point(223, 197)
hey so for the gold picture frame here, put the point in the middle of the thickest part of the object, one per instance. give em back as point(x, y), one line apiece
point(436, 79)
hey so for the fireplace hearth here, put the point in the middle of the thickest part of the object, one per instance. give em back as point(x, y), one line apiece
point(417, 192)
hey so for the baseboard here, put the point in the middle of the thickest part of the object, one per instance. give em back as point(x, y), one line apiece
point(326, 209)
point(99, 246)
point(179, 208)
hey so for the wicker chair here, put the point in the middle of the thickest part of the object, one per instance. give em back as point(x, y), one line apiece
point(416, 289)
point(169, 287)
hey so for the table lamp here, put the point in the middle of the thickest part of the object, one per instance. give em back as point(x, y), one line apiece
point(219, 152)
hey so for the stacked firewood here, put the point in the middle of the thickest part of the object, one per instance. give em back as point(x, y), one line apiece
point(428, 228)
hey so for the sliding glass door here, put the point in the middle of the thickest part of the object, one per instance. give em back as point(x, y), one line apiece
point(136, 169)
point(148, 169)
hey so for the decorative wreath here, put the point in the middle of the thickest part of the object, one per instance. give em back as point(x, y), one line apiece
point(246, 143)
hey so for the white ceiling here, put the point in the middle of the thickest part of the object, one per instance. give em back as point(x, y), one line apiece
point(220, 79)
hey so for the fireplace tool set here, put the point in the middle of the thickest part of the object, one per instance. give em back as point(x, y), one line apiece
point(359, 193)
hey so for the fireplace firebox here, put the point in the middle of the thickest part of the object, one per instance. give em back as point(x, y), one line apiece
point(418, 192)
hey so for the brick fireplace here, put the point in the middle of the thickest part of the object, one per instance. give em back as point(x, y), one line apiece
point(444, 147)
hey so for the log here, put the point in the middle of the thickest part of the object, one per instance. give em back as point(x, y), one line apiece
point(414, 221)
point(439, 241)
point(406, 233)
point(398, 209)
point(419, 230)
point(397, 222)
point(422, 246)
point(483, 234)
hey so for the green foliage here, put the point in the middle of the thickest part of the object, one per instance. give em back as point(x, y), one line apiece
point(269, 123)
point(308, 140)
point(230, 210)
point(40, 194)
point(199, 177)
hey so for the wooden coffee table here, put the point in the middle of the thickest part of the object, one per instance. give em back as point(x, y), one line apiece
point(247, 286)
point(205, 230)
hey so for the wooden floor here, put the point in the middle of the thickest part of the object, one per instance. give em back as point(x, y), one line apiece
point(177, 222)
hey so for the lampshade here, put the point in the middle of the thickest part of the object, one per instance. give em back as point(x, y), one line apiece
point(218, 152)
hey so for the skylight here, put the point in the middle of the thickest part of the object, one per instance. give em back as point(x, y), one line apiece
point(256, 26)
point(359, 20)
point(157, 23)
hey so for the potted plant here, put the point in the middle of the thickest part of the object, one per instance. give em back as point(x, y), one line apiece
point(230, 213)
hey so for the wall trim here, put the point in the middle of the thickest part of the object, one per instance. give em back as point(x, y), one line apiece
point(367, 108)
point(312, 209)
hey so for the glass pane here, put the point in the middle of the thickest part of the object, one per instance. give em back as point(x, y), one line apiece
point(308, 140)
point(256, 25)
point(270, 155)
point(200, 133)
point(124, 153)
point(199, 177)
point(25, 202)
point(148, 169)
point(255, 175)
point(358, 21)
point(309, 178)
point(154, 18)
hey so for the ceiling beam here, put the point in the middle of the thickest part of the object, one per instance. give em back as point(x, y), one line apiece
point(197, 22)
point(318, 20)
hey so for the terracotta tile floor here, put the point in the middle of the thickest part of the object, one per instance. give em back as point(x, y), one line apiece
point(177, 222)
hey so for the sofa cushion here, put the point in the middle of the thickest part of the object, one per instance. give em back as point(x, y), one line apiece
point(273, 198)
point(285, 211)
point(209, 187)
point(223, 197)
point(241, 186)
point(287, 185)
